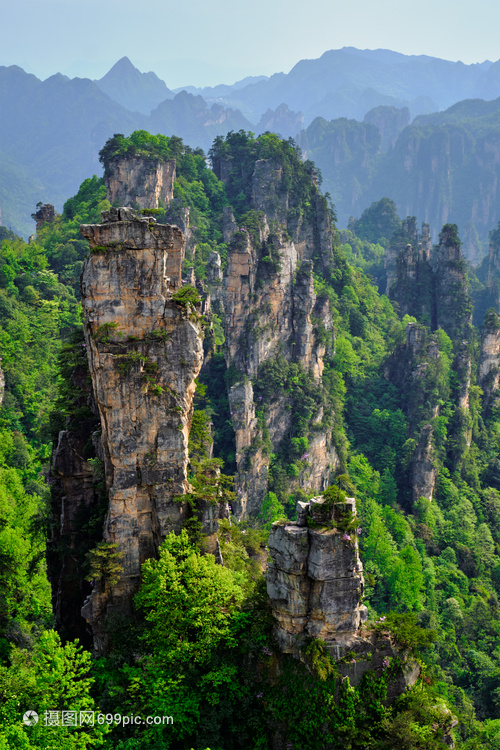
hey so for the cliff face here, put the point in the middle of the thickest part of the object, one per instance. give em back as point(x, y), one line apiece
point(271, 311)
point(407, 261)
point(314, 580)
point(413, 368)
point(281, 120)
point(140, 183)
point(78, 499)
point(145, 351)
point(488, 375)
point(345, 151)
point(390, 121)
point(431, 286)
point(45, 214)
point(453, 304)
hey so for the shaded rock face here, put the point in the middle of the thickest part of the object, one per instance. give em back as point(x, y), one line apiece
point(488, 374)
point(281, 120)
point(432, 286)
point(140, 183)
point(315, 582)
point(270, 309)
point(145, 351)
point(408, 255)
point(390, 121)
point(453, 304)
point(423, 468)
point(78, 504)
point(78, 499)
point(409, 369)
point(44, 215)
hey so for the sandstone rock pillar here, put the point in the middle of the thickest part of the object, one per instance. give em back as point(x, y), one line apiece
point(315, 579)
point(145, 351)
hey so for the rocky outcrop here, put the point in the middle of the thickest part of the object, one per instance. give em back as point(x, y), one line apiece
point(434, 289)
point(315, 579)
point(315, 585)
point(44, 215)
point(139, 182)
point(271, 311)
point(407, 263)
point(452, 301)
point(488, 375)
point(390, 121)
point(145, 351)
point(423, 467)
point(281, 120)
point(78, 504)
point(412, 368)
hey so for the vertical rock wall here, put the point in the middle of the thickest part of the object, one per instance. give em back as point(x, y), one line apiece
point(271, 310)
point(140, 183)
point(408, 368)
point(453, 304)
point(488, 375)
point(145, 351)
point(78, 503)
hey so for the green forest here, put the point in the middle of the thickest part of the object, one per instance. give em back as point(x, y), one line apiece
point(201, 648)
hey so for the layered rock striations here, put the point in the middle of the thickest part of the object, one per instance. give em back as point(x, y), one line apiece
point(315, 579)
point(315, 586)
point(272, 312)
point(140, 183)
point(410, 276)
point(78, 505)
point(488, 375)
point(413, 368)
point(145, 350)
point(44, 215)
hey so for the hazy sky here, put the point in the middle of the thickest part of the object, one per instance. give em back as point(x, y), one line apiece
point(204, 43)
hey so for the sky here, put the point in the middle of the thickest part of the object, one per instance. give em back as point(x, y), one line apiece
point(202, 44)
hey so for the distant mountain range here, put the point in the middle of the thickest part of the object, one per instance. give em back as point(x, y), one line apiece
point(51, 131)
point(442, 168)
point(348, 82)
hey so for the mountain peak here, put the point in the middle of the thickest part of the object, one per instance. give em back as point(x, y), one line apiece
point(122, 67)
point(139, 92)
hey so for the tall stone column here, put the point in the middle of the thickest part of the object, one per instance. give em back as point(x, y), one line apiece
point(145, 351)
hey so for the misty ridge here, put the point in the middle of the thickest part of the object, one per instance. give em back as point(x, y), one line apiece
point(376, 123)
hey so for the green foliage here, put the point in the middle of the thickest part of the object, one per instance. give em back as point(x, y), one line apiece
point(272, 510)
point(139, 144)
point(105, 333)
point(104, 564)
point(189, 602)
point(50, 677)
point(187, 295)
point(241, 150)
point(321, 661)
point(406, 632)
point(419, 720)
point(378, 223)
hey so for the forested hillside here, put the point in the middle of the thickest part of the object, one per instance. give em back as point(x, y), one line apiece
point(407, 393)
